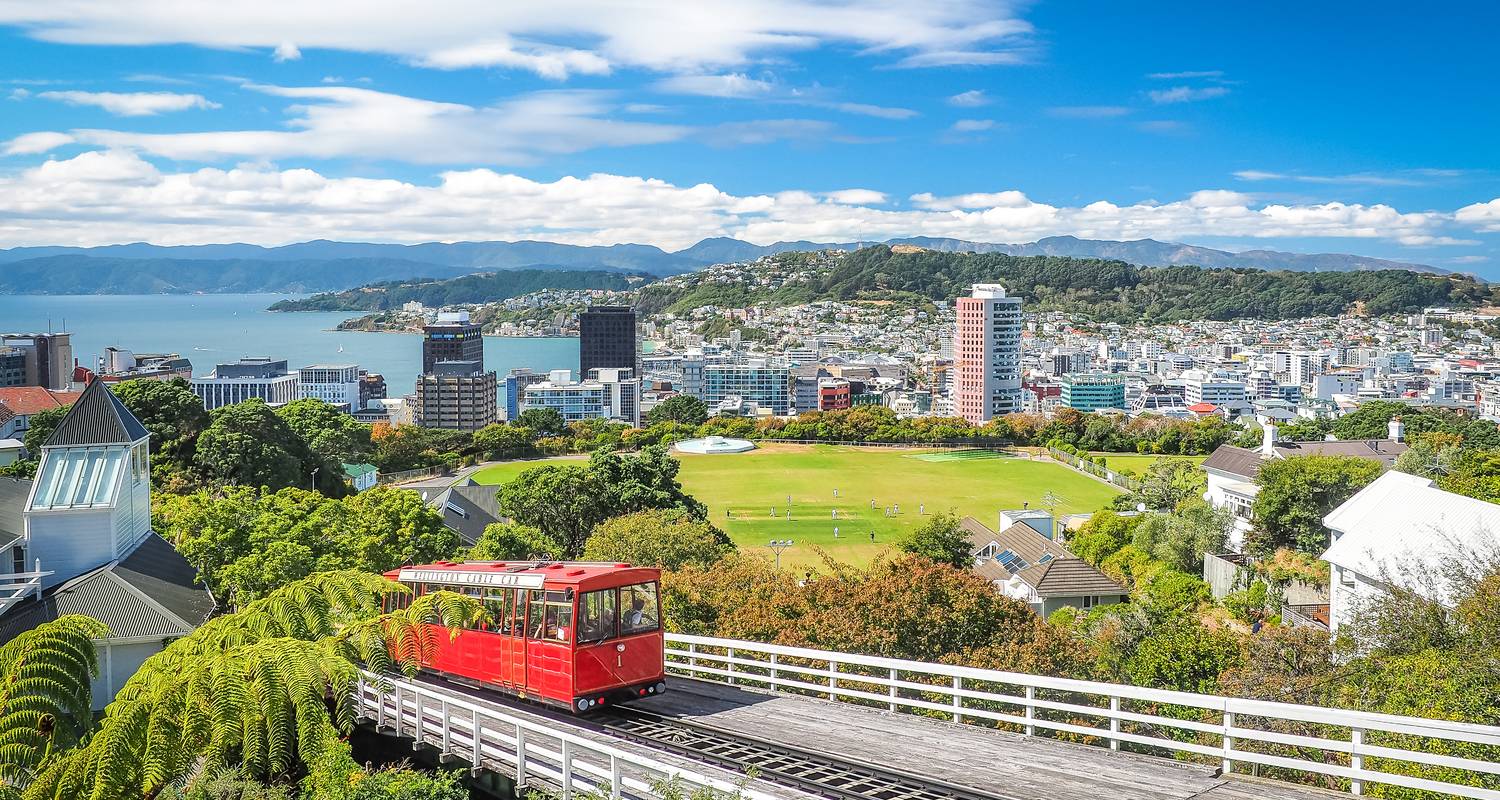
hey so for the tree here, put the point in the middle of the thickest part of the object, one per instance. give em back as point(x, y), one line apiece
point(543, 422)
point(335, 437)
point(248, 444)
point(941, 539)
point(667, 538)
point(1296, 493)
point(1101, 536)
point(45, 696)
point(1166, 483)
point(503, 441)
point(507, 541)
point(1184, 657)
point(1181, 538)
point(170, 411)
point(388, 527)
point(684, 409)
point(40, 427)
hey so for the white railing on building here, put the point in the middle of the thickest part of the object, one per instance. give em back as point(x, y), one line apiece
point(18, 586)
point(531, 752)
point(1235, 733)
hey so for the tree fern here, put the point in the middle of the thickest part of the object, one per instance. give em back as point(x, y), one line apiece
point(45, 695)
point(250, 691)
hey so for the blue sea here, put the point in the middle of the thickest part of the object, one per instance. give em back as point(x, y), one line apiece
point(224, 327)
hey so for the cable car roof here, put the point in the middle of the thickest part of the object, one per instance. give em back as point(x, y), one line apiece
point(521, 574)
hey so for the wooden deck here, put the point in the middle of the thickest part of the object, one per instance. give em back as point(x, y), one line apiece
point(1004, 764)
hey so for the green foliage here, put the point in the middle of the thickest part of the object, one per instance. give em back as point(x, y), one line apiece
point(1180, 539)
point(1370, 421)
point(1166, 483)
point(1183, 657)
point(941, 539)
point(483, 287)
point(668, 538)
point(1167, 593)
point(681, 408)
point(1296, 493)
point(45, 698)
point(566, 502)
point(250, 445)
point(335, 437)
point(542, 422)
point(508, 541)
point(1249, 603)
point(1101, 536)
point(503, 441)
point(170, 411)
point(40, 427)
point(246, 542)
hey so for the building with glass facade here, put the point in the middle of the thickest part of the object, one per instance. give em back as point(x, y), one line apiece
point(756, 382)
point(1093, 391)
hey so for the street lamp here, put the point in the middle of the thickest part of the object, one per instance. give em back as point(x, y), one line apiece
point(778, 545)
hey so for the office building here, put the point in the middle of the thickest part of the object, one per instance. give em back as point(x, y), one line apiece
point(451, 338)
point(334, 384)
point(756, 382)
point(515, 388)
point(249, 378)
point(607, 339)
point(834, 394)
point(605, 394)
point(987, 354)
point(118, 364)
point(372, 389)
point(1199, 387)
point(1093, 391)
point(458, 395)
point(12, 366)
point(47, 358)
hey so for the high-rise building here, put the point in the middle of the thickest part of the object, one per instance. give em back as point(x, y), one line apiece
point(756, 382)
point(371, 389)
point(12, 366)
point(335, 384)
point(458, 395)
point(451, 338)
point(246, 379)
point(607, 339)
point(987, 354)
point(515, 389)
point(47, 357)
point(1093, 391)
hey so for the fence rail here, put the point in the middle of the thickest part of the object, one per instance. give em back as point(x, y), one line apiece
point(410, 475)
point(1102, 473)
point(532, 753)
point(1343, 748)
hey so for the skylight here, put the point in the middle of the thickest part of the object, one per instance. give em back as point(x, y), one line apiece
point(79, 478)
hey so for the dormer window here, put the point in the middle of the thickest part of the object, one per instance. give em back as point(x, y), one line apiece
point(78, 478)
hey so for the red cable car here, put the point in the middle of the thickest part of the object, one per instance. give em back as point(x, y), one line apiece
point(578, 635)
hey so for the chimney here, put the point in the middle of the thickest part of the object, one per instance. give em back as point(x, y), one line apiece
point(1268, 441)
point(1397, 429)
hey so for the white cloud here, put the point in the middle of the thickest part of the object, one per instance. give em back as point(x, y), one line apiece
point(865, 109)
point(1188, 75)
point(733, 84)
point(286, 51)
point(132, 104)
point(1087, 112)
point(351, 122)
point(970, 99)
point(1186, 94)
point(554, 39)
point(40, 142)
point(1481, 216)
point(1418, 177)
point(116, 196)
point(972, 125)
point(765, 131)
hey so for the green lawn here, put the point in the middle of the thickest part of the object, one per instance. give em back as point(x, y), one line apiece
point(741, 491)
point(1138, 463)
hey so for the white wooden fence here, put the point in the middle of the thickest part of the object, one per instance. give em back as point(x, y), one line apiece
point(1278, 739)
point(526, 749)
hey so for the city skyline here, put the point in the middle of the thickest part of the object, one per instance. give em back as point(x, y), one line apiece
point(1327, 129)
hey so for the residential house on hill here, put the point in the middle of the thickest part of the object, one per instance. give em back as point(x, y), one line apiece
point(1403, 530)
point(467, 509)
point(24, 401)
point(78, 540)
point(1231, 470)
point(1027, 566)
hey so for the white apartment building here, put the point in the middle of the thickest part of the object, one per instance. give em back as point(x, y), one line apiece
point(247, 379)
point(1307, 365)
point(755, 382)
point(987, 354)
point(335, 384)
point(607, 394)
point(1200, 387)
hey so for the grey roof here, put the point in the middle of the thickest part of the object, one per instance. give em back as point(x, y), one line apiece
point(1069, 577)
point(1062, 575)
point(151, 592)
point(1234, 460)
point(1021, 539)
point(468, 509)
point(13, 493)
point(97, 417)
point(1247, 463)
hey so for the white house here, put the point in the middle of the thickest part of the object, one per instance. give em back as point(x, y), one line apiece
point(78, 540)
point(1402, 529)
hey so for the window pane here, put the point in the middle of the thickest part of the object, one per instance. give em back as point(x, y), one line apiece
point(561, 627)
point(639, 612)
point(598, 612)
point(535, 617)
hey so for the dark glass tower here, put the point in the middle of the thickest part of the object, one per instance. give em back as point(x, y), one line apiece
point(452, 338)
point(606, 339)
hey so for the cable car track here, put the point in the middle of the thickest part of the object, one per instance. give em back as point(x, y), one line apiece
point(834, 777)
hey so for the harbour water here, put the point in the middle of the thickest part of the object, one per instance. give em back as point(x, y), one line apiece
point(223, 327)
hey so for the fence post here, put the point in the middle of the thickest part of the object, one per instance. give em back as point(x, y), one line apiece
point(416, 739)
point(1226, 765)
point(400, 709)
point(894, 677)
point(616, 781)
point(475, 749)
point(1356, 759)
point(567, 770)
point(520, 757)
point(447, 729)
point(958, 700)
point(773, 670)
point(729, 664)
point(1030, 710)
point(1114, 722)
point(833, 680)
point(692, 659)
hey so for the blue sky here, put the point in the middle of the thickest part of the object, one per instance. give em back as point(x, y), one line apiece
point(1319, 127)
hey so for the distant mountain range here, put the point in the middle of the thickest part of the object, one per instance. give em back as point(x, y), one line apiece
point(331, 266)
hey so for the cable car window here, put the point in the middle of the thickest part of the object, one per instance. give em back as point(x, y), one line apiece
point(552, 616)
point(518, 611)
point(494, 607)
point(639, 610)
point(597, 616)
point(535, 619)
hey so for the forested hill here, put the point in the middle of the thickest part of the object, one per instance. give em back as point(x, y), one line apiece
point(1104, 289)
point(477, 288)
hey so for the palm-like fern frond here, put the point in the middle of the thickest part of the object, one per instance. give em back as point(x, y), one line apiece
point(45, 692)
